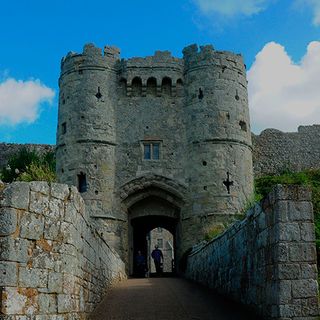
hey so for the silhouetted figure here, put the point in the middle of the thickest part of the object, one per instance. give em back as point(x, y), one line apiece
point(141, 266)
point(157, 257)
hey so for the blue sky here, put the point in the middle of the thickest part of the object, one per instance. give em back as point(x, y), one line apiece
point(280, 41)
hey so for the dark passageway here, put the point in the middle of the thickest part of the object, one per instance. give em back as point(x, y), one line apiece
point(166, 299)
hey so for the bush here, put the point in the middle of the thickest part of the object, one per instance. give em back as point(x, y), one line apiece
point(29, 166)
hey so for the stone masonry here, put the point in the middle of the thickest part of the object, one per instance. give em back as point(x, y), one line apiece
point(53, 264)
point(178, 125)
point(276, 151)
point(268, 260)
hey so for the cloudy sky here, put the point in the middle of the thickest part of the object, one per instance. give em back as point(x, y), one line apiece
point(279, 39)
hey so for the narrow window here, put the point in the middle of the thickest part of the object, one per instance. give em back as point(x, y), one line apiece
point(151, 150)
point(243, 125)
point(82, 182)
point(160, 243)
point(147, 151)
point(155, 151)
point(64, 127)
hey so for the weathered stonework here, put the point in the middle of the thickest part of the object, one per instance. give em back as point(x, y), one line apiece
point(194, 108)
point(268, 260)
point(53, 264)
point(275, 151)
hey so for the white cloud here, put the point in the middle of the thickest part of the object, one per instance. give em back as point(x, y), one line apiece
point(20, 100)
point(282, 94)
point(315, 6)
point(231, 8)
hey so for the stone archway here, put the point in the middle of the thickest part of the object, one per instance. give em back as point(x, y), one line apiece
point(151, 201)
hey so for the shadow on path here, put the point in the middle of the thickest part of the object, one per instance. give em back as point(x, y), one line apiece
point(166, 299)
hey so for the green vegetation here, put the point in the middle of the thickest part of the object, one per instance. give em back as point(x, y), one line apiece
point(29, 166)
point(310, 178)
point(215, 231)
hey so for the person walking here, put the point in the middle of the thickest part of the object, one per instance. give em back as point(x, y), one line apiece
point(157, 257)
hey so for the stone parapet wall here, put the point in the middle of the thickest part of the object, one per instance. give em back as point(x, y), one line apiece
point(53, 264)
point(267, 260)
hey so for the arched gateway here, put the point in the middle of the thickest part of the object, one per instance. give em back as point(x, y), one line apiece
point(151, 202)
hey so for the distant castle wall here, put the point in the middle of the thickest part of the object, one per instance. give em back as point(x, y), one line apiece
point(268, 260)
point(275, 151)
point(53, 264)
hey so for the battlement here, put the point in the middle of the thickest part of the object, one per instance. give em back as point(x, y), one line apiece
point(195, 56)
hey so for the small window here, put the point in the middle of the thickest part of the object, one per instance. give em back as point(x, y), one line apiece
point(151, 150)
point(160, 243)
point(82, 182)
point(243, 125)
point(64, 128)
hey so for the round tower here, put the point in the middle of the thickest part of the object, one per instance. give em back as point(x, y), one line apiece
point(219, 166)
point(86, 126)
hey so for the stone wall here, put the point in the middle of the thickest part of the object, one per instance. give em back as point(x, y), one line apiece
point(7, 150)
point(267, 260)
point(275, 151)
point(53, 265)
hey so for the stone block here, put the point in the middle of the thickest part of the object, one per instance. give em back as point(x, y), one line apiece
point(39, 203)
point(42, 259)
point(307, 232)
point(55, 282)
point(300, 211)
point(16, 195)
point(51, 229)
point(308, 271)
point(8, 221)
point(33, 278)
point(307, 288)
point(289, 271)
point(31, 226)
point(310, 307)
point(60, 191)
point(70, 212)
point(284, 291)
point(281, 252)
point(304, 252)
point(66, 303)
point(40, 187)
point(56, 209)
point(289, 311)
point(8, 274)
point(20, 301)
point(14, 249)
point(292, 192)
point(287, 232)
point(47, 303)
point(281, 211)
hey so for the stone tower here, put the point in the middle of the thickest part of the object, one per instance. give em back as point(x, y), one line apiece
point(150, 142)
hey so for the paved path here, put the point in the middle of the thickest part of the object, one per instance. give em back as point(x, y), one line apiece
point(165, 299)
